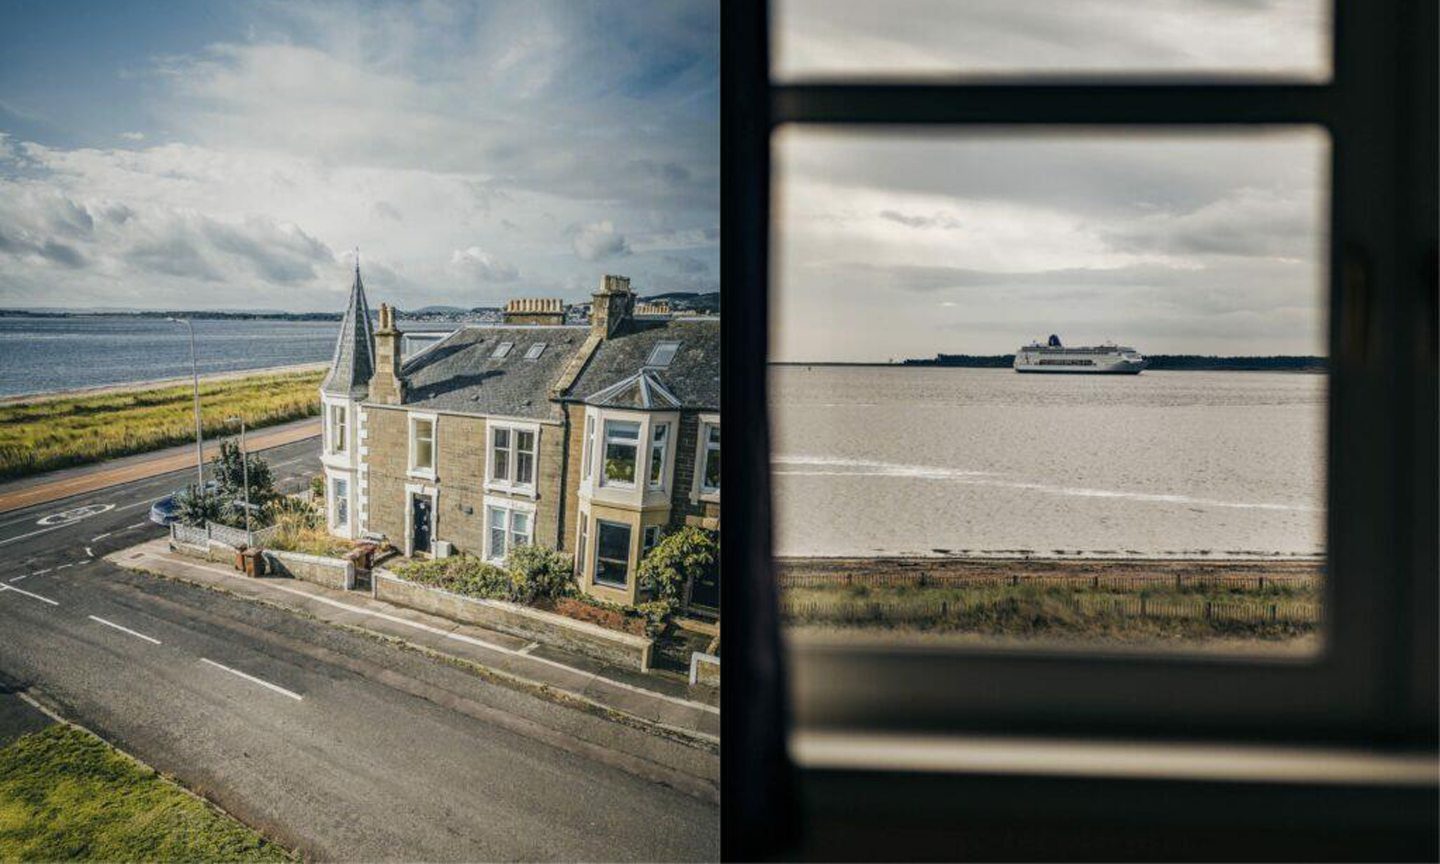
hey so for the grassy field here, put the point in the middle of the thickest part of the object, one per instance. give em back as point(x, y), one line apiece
point(1067, 599)
point(60, 433)
point(66, 795)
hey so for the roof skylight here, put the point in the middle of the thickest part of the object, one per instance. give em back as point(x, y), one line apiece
point(501, 350)
point(662, 353)
point(535, 351)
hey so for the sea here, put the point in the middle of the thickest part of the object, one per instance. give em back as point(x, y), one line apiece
point(47, 355)
point(877, 461)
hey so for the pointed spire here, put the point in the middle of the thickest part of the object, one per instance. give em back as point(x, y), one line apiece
point(354, 359)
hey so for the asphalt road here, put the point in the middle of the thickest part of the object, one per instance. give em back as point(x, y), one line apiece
point(342, 745)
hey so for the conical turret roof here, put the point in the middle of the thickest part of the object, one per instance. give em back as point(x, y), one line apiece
point(354, 360)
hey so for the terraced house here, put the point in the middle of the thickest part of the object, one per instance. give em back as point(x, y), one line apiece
point(593, 439)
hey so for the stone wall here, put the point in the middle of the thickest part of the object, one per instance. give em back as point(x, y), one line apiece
point(704, 669)
point(214, 551)
point(575, 416)
point(611, 646)
point(334, 573)
point(682, 509)
point(460, 469)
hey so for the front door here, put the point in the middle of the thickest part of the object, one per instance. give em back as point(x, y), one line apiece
point(421, 525)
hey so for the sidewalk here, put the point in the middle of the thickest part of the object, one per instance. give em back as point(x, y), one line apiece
point(54, 485)
point(658, 702)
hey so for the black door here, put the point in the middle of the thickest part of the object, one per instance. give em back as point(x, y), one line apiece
point(420, 525)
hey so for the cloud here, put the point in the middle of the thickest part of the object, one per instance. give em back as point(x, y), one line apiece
point(598, 241)
point(936, 221)
point(451, 142)
point(483, 266)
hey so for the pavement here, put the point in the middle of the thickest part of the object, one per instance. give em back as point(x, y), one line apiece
point(668, 704)
point(327, 739)
point(57, 485)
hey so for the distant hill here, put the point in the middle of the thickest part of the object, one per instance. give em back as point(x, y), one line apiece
point(708, 303)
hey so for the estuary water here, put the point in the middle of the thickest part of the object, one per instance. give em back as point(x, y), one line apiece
point(46, 355)
point(918, 461)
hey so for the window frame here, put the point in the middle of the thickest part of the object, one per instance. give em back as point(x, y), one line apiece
point(414, 418)
point(340, 503)
point(699, 490)
point(1375, 677)
point(510, 507)
point(535, 350)
point(604, 479)
point(657, 428)
point(508, 483)
point(672, 344)
point(629, 543)
point(344, 426)
point(501, 350)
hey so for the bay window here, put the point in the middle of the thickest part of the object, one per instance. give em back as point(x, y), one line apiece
point(659, 440)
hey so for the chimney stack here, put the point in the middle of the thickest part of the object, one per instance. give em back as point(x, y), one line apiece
point(614, 305)
point(386, 386)
point(534, 310)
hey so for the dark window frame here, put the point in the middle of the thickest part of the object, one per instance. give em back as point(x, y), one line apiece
point(1376, 680)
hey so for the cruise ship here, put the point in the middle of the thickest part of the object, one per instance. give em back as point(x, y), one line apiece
point(1100, 359)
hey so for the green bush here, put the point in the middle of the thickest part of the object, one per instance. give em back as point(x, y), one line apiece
point(196, 506)
point(462, 574)
point(538, 573)
point(679, 559)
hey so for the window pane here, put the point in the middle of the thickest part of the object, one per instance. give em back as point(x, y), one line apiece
point(612, 554)
point(496, 518)
point(712, 469)
point(935, 492)
point(842, 39)
point(501, 350)
point(500, 462)
point(621, 442)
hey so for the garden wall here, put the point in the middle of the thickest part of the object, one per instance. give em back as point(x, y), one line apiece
point(547, 628)
point(211, 550)
point(336, 573)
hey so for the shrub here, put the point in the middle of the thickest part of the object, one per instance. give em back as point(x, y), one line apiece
point(196, 506)
point(231, 474)
point(538, 573)
point(680, 558)
point(461, 574)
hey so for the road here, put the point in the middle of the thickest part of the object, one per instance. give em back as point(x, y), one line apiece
point(342, 745)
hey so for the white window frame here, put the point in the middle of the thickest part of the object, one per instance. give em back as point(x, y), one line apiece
point(411, 422)
point(339, 502)
point(331, 408)
point(588, 457)
point(651, 362)
point(509, 507)
point(581, 539)
point(664, 448)
point(502, 350)
point(646, 543)
point(629, 546)
point(604, 478)
point(508, 482)
point(535, 350)
point(699, 491)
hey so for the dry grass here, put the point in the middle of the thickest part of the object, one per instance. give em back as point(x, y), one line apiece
point(302, 531)
point(59, 433)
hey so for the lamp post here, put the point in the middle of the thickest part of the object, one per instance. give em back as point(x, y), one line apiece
point(244, 473)
point(199, 439)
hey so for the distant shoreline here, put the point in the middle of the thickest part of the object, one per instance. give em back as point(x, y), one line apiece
point(1158, 362)
point(155, 383)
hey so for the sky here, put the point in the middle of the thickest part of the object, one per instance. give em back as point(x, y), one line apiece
point(908, 242)
point(165, 155)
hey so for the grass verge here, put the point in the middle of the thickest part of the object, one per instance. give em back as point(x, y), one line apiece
point(61, 433)
point(65, 794)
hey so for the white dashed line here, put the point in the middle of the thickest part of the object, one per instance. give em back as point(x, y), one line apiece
point(275, 687)
point(26, 576)
point(98, 537)
point(63, 566)
point(88, 552)
point(531, 647)
point(28, 594)
point(123, 629)
point(41, 572)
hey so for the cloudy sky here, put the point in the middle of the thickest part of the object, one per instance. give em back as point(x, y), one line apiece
point(908, 242)
point(209, 155)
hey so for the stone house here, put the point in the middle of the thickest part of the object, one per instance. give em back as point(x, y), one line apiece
point(592, 439)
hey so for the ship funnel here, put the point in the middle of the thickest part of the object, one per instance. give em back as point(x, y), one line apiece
point(1054, 341)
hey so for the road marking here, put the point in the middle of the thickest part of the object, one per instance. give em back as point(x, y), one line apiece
point(32, 534)
point(531, 647)
point(41, 572)
point(88, 552)
point(459, 637)
point(63, 566)
point(26, 576)
point(75, 514)
point(123, 629)
point(278, 689)
point(136, 525)
point(98, 537)
point(28, 594)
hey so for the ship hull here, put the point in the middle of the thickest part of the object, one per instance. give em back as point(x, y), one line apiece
point(1053, 370)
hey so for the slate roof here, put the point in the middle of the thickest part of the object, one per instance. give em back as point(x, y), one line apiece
point(692, 377)
point(458, 373)
point(354, 360)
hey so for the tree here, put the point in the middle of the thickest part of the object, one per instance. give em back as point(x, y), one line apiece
point(196, 506)
point(230, 476)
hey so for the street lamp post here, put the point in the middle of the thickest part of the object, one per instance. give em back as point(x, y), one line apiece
point(244, 473)
point(199, 438)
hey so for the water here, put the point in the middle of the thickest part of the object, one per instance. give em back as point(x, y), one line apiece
point(44, 355)
point(895, 461)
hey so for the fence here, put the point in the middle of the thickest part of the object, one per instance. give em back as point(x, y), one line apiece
point(1123, 582)
point(199, 535)
point(936, 611)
